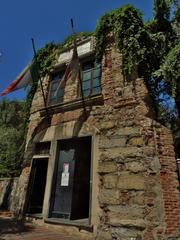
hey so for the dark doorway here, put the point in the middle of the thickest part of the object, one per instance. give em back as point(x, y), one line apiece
point(37, 185)
point(71, 192)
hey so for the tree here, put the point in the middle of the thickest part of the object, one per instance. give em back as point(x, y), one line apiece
point(164, 77)
point(11, 137)
point(171, 74)
point(11, 113)
point(150, 48)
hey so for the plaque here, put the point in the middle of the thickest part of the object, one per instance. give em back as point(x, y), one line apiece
point(65, 175)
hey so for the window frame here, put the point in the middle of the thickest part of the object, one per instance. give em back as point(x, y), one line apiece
point(62, 68)
point(91, 94)
point(50, 102)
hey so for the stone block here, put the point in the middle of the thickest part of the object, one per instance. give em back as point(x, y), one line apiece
point(128, 131)
point(137, 223)
point(129, 212)
point(111, 142)
point(135, 167)
point(109, 196)
point(107, 167)
point(128, 91)
point(136, 141)
point(124, 233)
point(137, 198)
point(131, 181)
point(107, 125)
point(110, 181)
point(122, 153)
point(104, 235)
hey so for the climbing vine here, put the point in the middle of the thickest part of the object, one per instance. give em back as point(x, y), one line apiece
point(126, 24)
point(42, 64)
point(144, 46)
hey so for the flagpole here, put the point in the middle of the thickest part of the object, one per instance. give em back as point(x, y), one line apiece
point(80, 79)
point(35, 55)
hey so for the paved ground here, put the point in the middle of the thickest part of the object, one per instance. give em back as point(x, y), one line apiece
point(11, 229)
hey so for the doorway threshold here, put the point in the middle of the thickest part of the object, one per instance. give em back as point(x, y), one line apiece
point(80, 223)
point(35, 215)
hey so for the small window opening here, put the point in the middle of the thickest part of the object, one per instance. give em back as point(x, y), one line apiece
point(42, 148)
point(55, 96)
point(91, 78)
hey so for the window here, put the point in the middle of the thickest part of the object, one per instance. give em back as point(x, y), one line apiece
point(91, 82)
point(56, 97)
point(42, 148)
point(91, 78)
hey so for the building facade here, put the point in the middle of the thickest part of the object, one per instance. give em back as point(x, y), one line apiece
point(102, 165)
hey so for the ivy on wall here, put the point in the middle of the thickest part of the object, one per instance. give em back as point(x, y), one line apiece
point(127, 26)
point(151, 48)
point(145, 47)
point(44, 61)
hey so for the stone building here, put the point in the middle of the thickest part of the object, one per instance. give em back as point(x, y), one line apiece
point(107, 170)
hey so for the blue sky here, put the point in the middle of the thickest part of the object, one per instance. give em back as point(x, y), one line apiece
point(46, 21)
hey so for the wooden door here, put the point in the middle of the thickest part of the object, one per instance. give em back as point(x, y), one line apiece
point(71, 193)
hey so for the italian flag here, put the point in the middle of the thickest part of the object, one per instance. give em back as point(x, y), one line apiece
point(26, 77)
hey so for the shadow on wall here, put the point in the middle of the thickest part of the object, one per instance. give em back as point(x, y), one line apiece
point(7, 188)
point(79, 123)
point(13, 226)
point(38, 131)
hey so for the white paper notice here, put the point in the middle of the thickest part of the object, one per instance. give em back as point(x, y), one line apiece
point(66, 168)
point(65, 179)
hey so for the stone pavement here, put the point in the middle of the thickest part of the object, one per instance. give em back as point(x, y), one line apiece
point(12, 229)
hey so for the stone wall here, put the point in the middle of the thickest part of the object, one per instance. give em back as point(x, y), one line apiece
point(138, 196)
point(21, 192)
point(13, 193)
point(8, 193)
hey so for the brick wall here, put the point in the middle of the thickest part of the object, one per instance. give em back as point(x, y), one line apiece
point(169, 181)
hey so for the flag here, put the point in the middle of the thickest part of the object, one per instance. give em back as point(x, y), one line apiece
point(27, 76)
point(72, 70)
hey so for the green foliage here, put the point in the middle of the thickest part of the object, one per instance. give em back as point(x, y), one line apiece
point(43, 63)
point(167, 116)
point(176, 23)
point(10, 113)
point(171, 69)
point(171, 74)
point(46, 57)
point(70, 39)
point(10, 161)
point(150, 48)
point(144, 46)
point(127, 26)
point(11, 137)
point(161, 10)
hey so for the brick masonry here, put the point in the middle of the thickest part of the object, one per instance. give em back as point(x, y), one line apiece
point(138, 193)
